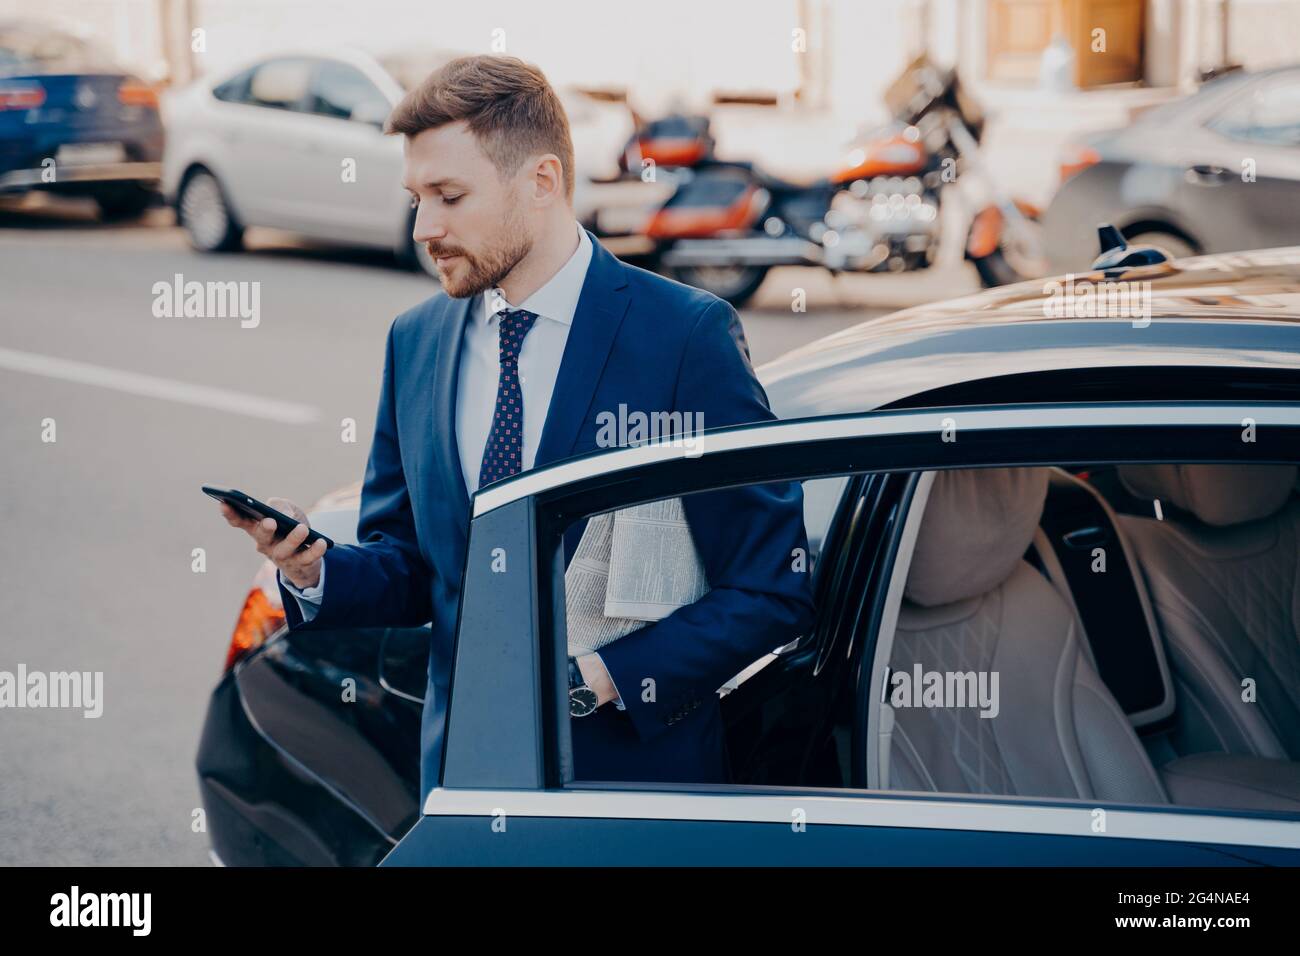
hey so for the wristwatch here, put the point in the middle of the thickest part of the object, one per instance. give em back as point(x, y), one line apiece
point(582, 699)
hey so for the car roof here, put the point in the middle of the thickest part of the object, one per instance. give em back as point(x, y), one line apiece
point(1236, 310)
point(231, 66)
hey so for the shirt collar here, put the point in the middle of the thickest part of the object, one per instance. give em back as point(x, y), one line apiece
point(557, 299)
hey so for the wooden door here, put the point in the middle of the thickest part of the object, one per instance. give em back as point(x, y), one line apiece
point(1115, 25)
point(1106, 36)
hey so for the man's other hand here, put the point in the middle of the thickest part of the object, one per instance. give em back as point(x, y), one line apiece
point(300, 568)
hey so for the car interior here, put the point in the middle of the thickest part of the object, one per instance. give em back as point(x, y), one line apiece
point(1144, 621)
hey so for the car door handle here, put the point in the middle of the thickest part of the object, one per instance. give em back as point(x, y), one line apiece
point(1206, 174)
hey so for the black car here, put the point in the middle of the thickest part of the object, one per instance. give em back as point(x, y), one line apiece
point(73, 123)
point(963, 466)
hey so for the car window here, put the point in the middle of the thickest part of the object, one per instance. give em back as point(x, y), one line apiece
point(1034, 643)
point(1269, 115)
point(338, 89)
point(411, 68)
point(820, 496)
point(1046, 617)
point(235, 89)
point(639, 565)
point(1277, 115)
point(280, 84)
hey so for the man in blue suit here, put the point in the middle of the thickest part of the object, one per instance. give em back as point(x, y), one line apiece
point(476, 389)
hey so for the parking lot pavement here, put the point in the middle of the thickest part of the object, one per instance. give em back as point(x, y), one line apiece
point(102, 523)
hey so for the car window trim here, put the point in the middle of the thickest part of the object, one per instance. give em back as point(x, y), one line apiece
point(887, 587)
point(610, 462)
point(883, 809)
point(571, 489)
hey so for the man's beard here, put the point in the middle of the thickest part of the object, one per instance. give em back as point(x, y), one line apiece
point(489, 268)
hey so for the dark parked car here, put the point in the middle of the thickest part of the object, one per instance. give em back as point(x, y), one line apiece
point(73, 123)
point(1217, 171)
point(965, 468)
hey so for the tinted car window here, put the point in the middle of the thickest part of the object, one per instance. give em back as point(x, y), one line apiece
point(338, 89)
point(820, 497)
point(1270, 115)
point(235, 89)
point(280, 84)
point(1277, 115)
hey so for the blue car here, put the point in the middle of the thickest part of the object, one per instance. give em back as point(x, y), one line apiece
point(1054, 540)
point(74, 124)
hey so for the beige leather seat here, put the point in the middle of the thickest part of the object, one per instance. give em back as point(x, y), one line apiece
point(972, 603)
point(1223, 572)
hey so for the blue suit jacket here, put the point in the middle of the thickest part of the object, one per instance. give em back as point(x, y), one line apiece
point(636, 339)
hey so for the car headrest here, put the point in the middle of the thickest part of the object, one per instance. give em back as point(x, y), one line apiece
point(1217, 494)
point(978, 523)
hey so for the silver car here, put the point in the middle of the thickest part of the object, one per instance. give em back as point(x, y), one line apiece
point(1217, 171)
point(294, 141)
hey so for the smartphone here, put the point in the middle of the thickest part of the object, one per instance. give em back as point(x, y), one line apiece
point(250, 507)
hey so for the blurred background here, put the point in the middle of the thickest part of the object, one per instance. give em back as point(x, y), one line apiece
point(818, 163)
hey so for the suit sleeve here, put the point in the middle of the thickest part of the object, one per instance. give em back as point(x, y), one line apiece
point(383, 581)
point(760, 597)
point(308, 598)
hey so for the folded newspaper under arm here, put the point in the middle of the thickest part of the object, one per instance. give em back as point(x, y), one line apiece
point(633, 567)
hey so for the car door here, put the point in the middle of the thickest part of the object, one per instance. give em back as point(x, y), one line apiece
point(351, 171)
point(267, 137)
point(507, 793)
point(1241, 174)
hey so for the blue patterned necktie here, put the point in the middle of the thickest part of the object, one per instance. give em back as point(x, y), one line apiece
point(503, 455)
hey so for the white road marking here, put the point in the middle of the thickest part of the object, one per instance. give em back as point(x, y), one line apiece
point(151, 386)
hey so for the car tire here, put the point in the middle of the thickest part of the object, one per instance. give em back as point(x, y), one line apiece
point(123, 203)
point(204, 213)
point(736, 284)
point(1176, 246)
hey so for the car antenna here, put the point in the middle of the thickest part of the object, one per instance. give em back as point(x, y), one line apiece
point(1117, 256)
point(1111, 238)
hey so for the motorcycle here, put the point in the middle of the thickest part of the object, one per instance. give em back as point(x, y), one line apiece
point(722, 225)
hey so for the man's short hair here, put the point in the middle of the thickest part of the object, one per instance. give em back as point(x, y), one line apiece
point(507, 104)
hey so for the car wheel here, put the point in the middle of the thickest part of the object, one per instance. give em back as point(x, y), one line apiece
point(736, 284)
point(205, 215)
point(123, 203)
point(1177, 247)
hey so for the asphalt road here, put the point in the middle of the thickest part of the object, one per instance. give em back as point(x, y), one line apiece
point(99, 525)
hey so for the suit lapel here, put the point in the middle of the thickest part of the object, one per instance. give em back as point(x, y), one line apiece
point(446, 373)
point(601, 308)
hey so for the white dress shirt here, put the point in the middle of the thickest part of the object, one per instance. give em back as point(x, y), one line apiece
point(539, 361)
point(479, 373)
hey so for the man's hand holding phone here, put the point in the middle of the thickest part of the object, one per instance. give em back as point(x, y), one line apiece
point(300, 568)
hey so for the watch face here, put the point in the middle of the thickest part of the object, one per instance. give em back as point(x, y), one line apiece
point(582, 701)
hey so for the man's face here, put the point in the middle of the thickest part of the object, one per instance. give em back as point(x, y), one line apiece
point(472, 221)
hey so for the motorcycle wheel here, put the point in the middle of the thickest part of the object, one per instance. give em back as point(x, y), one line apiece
point(1005, 266)
point(994, 270)
point(736, 284)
